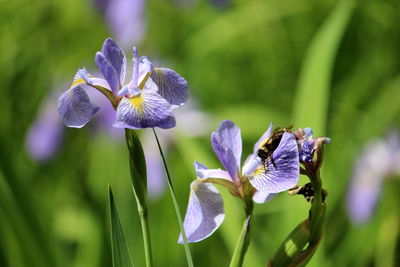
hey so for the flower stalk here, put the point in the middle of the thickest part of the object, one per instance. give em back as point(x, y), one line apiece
point(301, 244)
point(176, 206)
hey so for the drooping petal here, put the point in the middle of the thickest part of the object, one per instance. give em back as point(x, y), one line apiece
point(108, 71)
point(262, 197)
point(203, 172)
point(286, 173)
point(146, 110)
point(116, 57)
point(227, 145)
point(171, 86)
point(75, 108)
point(205, 212)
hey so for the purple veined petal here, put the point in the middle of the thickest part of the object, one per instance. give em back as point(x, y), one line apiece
point(146, 110)
point(262, 197)
point(171, 86)
point(115, 57)
point(266, 135)
point(108, 71)
point(203, 172)
point(75, 108)
point(227, 145)
point(286, 173)
point(205, 212)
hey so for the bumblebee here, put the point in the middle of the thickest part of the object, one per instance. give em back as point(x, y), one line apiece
point(268, 146)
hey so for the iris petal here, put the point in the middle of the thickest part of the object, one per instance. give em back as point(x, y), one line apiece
point(266, 135)
point(203, 172)
point(146, 110)
point(262, 197)
point(286, 173)
point(108, 71)
point(75, 108)
point(171, 85)
point(205, 212)
point(116, 57)
point(227, 145)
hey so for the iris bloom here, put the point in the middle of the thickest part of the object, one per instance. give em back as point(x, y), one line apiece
point(146, 101)
point(254, 182)
point(379, 160)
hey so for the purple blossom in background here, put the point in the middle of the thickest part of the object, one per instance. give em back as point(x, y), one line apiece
point(205, 211)
point(379, 160)
point(45, 134)
point(146, 101)
point(47, 131)
point(125, 18)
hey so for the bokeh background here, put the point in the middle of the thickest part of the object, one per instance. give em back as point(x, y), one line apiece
point(330, 65)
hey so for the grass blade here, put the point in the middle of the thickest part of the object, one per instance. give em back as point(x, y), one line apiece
point(120, 251)
point(311, 102)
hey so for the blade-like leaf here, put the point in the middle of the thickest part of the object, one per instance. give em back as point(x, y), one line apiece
point(120, 251)
point(137, 164)
point(311, 102)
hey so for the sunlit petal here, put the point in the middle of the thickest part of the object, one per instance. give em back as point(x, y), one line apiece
point(285, 174)
point(146, 110)
point(205, 212)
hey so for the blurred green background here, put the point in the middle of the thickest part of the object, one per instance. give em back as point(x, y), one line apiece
point(330, 65)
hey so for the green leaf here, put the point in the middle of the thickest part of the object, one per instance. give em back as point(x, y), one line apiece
point(311, 102)
point(241, 245)
point(292, 246)
point(120, 251)
point(137, 163)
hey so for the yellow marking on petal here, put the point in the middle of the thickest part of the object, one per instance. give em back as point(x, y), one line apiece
point(260, 170)
point(137, 102)
point(78, 81)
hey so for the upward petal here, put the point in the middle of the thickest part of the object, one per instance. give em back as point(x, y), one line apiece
point(281, 174)
point(266, 135)
point(116, 57)
point(205, 212)
point(108, 71)
point(171, 85)
point(75, 108)
point(146, 110)
point(227, 145)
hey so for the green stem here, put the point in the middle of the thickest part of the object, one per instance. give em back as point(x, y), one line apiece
point(146, 235)
point(244, 239)
point(177, 210)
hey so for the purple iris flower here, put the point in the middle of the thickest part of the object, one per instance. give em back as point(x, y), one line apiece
point(379, 160)
point(205, 211)
point(308, 144)
point(146, 101)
